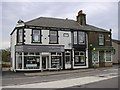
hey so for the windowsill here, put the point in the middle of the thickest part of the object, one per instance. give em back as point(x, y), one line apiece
point(101, 44)
point(36, 42)
point(53, 43)
point(80, 65)
point(79, 44)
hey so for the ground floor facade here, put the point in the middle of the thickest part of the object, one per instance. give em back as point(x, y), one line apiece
point(48, 57)
point(100, 57)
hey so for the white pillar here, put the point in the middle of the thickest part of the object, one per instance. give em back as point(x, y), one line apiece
point(22, 60)
point(49, 61)
point(16, 60)
point(73, 57)
point(46, 62)
point(41, 61)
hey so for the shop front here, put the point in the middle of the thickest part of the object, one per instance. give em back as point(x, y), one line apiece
point(102, 56)
point(80, 58)
point(30, 57)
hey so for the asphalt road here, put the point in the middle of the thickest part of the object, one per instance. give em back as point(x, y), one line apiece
point(10, 78)
point(109, 83)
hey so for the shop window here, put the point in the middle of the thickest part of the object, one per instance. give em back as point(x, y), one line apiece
point(36, 36)
point(108, 55)
point(55, 60)
point(19, 60)
point(95, 56)
point(101, 39)
point(20, 35)
point(31, 62)
point(53, 37)
point(79, 58)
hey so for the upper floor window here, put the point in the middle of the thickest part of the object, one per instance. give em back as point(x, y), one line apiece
point(101, 39)
point(36, 36)
point(53, 37)
point(75, 37)
point(79, 37)
point(20, 35)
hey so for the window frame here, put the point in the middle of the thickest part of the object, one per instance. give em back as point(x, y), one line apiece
point(80, 56)
point(109, 56)
point(57, 37)
point(103, 37)
point(39, 35)
point(84, 37)
point(77, 43)
point(58, 56)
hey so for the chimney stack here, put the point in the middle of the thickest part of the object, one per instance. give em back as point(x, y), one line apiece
point(81, 18)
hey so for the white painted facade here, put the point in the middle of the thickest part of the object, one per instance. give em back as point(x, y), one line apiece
point(13, 43)
point(65, 38)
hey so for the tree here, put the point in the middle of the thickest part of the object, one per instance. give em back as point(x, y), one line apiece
point(6, 55)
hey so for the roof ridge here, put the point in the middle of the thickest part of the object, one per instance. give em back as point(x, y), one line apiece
point(50, 18)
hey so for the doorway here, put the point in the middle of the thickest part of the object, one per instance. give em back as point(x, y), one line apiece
point(45, 62)
point(67, 60)
point(101, 59)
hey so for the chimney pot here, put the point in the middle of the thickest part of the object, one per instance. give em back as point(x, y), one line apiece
point(81, 18)
point(80, 12)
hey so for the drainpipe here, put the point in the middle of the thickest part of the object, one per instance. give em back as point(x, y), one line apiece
point(111, 37)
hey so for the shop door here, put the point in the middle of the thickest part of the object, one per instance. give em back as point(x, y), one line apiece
point(101, 59)
point(45, 62)
point(67, 60)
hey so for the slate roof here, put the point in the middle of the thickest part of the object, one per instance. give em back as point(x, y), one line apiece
point(116, 41)
point(93, 28)
point(62, 23)
point(54, 22)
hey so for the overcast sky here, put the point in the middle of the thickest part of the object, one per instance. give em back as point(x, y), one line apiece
point(100, 14)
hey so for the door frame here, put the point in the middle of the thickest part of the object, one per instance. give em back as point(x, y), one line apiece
point(101, 62)
point(46, 55)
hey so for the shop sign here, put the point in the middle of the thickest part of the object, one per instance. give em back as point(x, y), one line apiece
point(40, 48)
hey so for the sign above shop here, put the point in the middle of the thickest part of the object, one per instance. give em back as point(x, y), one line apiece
point(40, 48)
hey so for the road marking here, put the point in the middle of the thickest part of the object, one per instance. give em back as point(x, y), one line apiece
point(63, 83)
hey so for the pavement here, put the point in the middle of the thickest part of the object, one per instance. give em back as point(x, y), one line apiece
point(65, 71)
point(54, 72)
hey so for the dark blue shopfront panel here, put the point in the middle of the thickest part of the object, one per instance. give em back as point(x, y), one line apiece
point(40, 48)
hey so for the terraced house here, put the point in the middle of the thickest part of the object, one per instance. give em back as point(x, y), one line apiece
point(50, 43)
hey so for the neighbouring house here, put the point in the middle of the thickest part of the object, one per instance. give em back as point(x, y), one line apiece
point(116, 56)
point(50, 43)
point(99, 44)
